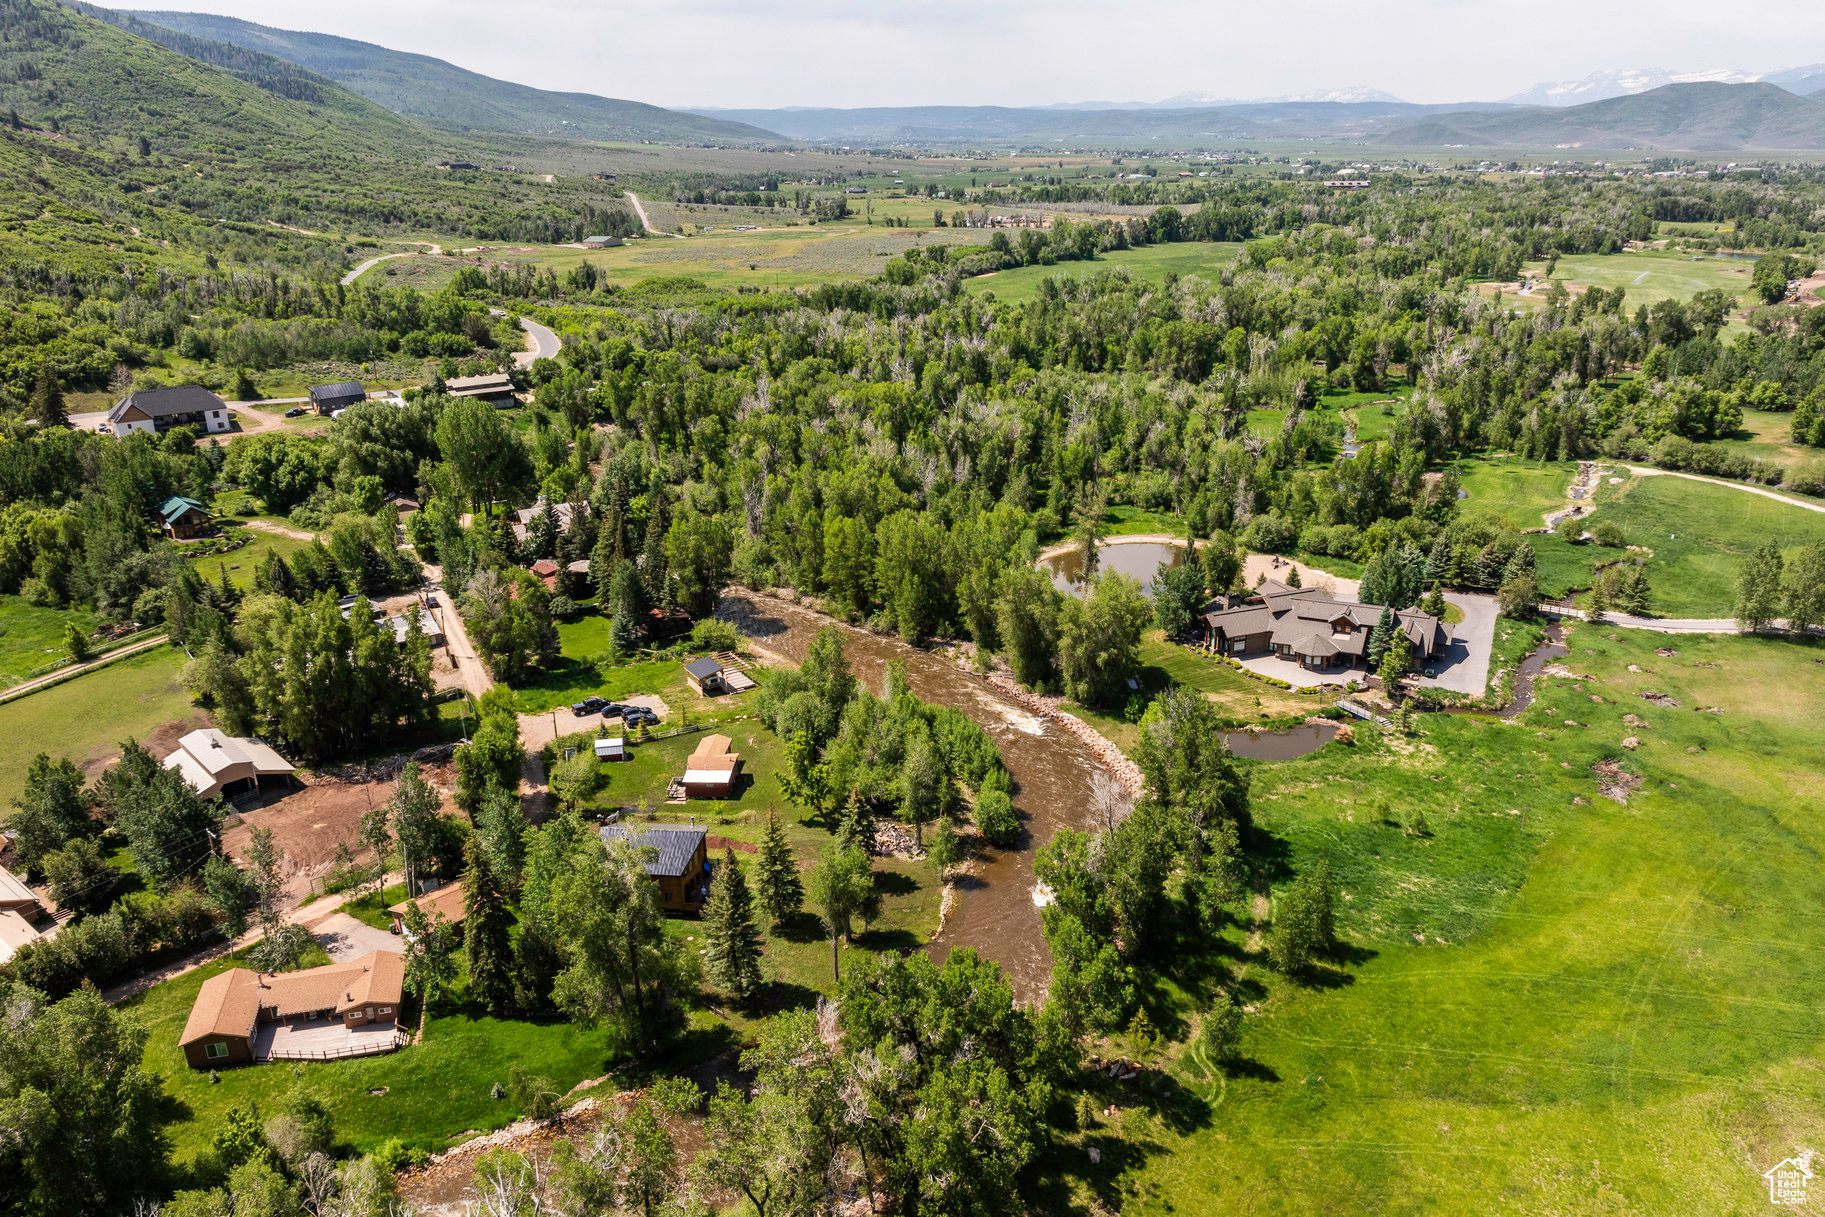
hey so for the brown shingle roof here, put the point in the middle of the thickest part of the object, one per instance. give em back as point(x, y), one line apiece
point(229, 1004)
point(448, 900)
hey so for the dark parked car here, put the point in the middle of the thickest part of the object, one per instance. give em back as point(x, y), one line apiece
point(639, 716)
point(295, 412)
point(589, 705)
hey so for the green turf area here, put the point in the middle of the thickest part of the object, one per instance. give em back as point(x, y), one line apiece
point(1204, 258)
point(1520, 492)
point(585, 668)
point(88, 717)
point(1767, 435)
point(241, 563)
point(1649, 276)
point(31, 638)
point(641, 780)
point(1699, 533)
point(1572, 1004)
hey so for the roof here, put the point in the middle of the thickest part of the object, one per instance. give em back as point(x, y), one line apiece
point(215, 751)
point(579, 567)
point(715, 744)
point(703, 668)
point(15, 932)
point(1298, 616)
point(162, 403)
point(178, 506)
point(675, 846)
point(493, 382)
point(229, 1002)
point(545, 566)
point(347, 390)
point(13, 890)
point(611, 744)
point(449, 900)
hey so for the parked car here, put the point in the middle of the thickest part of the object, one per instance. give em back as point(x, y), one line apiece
point(639, 716)
point(295, 412)
point(589, 705)
point(104, 429)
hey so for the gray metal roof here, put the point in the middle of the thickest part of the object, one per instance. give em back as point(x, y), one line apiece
point(162, 403)
point(676, 846)
point(346, 391)
point(701, 668)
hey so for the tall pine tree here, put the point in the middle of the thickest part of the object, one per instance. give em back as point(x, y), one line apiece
point(732, 954)
point(47, 399)
point(486, 942)
point(781, 893)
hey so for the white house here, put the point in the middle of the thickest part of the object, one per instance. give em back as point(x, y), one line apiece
point(156, 411)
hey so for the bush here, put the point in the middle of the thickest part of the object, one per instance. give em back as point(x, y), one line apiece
point(996, 818)
point(1269, 534)
point(1221, 1033)
point(396, 1155)
point(713, 635)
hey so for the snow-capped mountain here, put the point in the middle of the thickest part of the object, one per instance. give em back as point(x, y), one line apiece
point(1193, 101)
point(1600, 85)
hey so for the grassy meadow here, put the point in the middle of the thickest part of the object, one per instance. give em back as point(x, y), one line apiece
point(1549, 1002)
point(87, 718)
point(1648, 276)
point(1150, 263)
point(241, 563)
point(31, 638)
point(1699, 533)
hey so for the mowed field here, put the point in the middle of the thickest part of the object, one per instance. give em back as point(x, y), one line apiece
point(1700, 533)
point(1648, 276)
point(31, 638)
point(779, 257)
point(1151, 263)
point(1551, 1001)
point(87, 718)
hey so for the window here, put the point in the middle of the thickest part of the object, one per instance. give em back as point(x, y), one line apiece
point(1238, 645)
point(215, 1052)
point(386, 1009)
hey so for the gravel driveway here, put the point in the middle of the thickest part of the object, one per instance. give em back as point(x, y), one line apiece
point(344, 937)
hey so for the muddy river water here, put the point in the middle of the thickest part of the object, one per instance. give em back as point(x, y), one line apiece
point(995, 911)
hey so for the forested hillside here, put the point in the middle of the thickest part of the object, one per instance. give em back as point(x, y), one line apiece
point(445, 94)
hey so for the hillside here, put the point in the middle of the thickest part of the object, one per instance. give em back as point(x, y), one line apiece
point(1697, 117)
point(450, 96)
point(115, 133)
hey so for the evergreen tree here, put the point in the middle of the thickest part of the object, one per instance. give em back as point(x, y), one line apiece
point(1380, 638)
point(781, 893)
point(1395, 663)
point(625, 610)
point(1522, 563)
point(1438, 562)
point(1434, 603)
point(487, 943)
point(1758, 589)
point(47, 399)
point(1292, 580)
point(430, 965)
point(1635, 595)
point(732, 943)
point(652, 555)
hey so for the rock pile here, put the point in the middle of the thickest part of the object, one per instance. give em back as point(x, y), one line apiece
point(1112, 758)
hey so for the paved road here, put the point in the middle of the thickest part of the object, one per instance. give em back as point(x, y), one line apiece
point(1670, 625)
point(646, 223)
point(1464, 665)
point(541, 343)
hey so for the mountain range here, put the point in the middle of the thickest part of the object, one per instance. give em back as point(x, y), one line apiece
point(1600, 86)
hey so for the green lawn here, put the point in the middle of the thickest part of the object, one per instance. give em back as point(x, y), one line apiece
point(1552, 1003)
point(1204, 258)
point(433, 1090)
point(1767, 435)
point(242, 563)
point(31, 638)
point(1700, 533)
point(87, 718)
point(642, 779)
point(1650, 276)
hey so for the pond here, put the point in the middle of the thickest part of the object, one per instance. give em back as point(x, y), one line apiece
point(1280, 745)
point(1136, 559)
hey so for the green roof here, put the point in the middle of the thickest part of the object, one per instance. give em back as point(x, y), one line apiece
point(177, 505)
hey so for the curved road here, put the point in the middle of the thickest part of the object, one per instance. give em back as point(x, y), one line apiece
point(373, 262)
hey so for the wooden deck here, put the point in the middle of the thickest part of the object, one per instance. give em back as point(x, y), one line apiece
point(323, 1040)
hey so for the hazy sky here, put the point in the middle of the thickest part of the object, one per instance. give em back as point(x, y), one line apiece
point(764, 53)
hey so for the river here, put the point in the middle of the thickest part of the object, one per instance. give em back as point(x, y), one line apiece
point(995, 910)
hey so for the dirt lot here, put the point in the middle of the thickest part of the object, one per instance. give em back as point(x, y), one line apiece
point(309, 824)
point(161, 741)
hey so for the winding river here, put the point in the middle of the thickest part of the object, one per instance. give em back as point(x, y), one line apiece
point(995, 911)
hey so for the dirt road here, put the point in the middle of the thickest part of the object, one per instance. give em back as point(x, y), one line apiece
point(646, 223)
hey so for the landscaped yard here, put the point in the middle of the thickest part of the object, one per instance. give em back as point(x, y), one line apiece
point(88, 717)
point(242, 563)
point(1548, 994)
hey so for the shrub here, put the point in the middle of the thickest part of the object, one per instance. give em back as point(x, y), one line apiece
point(996, 818)
point(713, 635)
